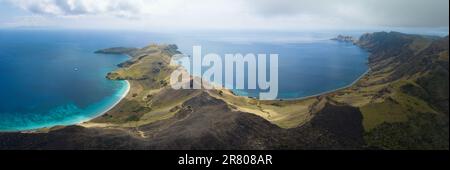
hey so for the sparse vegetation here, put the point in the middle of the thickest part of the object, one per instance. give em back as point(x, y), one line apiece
point(421, 131)
point(402, 103)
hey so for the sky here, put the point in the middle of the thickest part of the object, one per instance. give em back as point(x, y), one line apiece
point(284, 15)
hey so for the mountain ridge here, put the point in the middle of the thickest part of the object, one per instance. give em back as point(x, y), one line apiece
point(392, 107)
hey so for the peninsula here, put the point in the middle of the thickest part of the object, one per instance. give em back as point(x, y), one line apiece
point(401, 103)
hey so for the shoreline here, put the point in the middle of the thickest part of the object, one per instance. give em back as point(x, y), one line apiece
point(125, 94)
point(83, 122)
point(80, 122)
point(327, 92)
point(310, 96)
point(293, 99)
point(302, 98)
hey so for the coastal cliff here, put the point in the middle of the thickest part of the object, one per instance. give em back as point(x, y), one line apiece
point(401, 103)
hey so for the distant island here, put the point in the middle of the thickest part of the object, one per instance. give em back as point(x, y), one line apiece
point(344, 38)
point(401, 103)
point(117, 50)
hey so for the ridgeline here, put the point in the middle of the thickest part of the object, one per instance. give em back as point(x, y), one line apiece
point(402, 103)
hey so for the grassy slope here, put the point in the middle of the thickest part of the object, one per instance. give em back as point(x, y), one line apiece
point(384, 95)
point(406, 113)
point(392, 113)
point(150, 98)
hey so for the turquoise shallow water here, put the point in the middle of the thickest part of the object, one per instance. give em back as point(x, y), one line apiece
point(68, 114)
point(50, 78)
point(54, 78)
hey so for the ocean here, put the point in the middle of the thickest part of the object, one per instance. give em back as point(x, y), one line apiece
point(53, 77)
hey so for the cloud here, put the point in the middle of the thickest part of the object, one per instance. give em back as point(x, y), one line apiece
point(81, 7)
point(240, 14)
point(401, 13)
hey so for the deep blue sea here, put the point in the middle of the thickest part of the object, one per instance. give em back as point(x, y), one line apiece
point(53, 77)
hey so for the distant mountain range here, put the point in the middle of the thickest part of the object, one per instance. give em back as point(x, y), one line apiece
point(402, 103)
